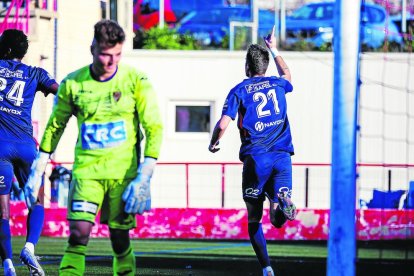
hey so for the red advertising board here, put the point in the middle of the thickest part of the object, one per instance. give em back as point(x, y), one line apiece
point(191, 223)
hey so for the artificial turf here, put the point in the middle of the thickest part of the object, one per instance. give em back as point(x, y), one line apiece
point(207, 257)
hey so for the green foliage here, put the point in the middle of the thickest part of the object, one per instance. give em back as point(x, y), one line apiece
point(301, 45)
point(409, 38)
point(326, 47)
point(169, 38)
point(410, 44)
point(164, 38)
point(225, 42)
point(242, 39)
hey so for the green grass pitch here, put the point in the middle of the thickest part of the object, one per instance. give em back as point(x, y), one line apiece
point(206, 257)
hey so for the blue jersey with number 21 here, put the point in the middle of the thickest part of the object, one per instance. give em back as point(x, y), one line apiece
point(18, 85)
point(260, 103)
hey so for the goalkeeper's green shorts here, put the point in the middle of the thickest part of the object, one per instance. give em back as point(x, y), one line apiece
point(88, 196)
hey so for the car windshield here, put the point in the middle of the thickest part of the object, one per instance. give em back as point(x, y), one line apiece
point(372, 15)
point(314, 12)
point(148, 6)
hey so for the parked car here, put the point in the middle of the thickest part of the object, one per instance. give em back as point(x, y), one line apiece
point(314, 23)
point(146, 12)
point(210, 26)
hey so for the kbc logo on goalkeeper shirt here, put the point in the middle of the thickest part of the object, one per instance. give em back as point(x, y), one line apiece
point(105, 135)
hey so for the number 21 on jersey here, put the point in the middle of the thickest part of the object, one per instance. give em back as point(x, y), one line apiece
point(263, 98)
point(15, 94)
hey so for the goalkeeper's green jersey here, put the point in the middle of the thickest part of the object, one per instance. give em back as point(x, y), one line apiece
point(109, 114)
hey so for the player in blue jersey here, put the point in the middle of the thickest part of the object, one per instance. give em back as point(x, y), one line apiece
point(18, 86)
point(260, 104)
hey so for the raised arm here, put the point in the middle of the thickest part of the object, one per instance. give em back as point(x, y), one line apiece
point(281, 65)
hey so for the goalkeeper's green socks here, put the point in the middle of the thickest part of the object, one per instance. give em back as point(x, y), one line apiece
point(73, 261)
point(124, 263)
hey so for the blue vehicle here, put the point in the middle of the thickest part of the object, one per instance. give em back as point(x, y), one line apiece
point(146, 12)
point(210, 26)
point(314, 23)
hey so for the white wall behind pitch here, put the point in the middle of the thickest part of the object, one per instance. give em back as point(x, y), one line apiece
point(209, 76)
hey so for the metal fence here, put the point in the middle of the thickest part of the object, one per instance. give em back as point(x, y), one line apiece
point(218, 184)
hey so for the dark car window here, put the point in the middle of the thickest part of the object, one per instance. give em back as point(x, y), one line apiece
point(149, 6)
point(375, 15)
point(372, 15)
point(183, 7)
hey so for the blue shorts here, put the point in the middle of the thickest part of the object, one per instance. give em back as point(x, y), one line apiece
point(266, 175)
point(15, 159)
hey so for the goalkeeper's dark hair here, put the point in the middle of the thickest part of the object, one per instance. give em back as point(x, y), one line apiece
point(108, 33)
point(257, 59)
point(13, 44)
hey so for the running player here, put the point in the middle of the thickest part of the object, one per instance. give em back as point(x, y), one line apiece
point(18, 85)
point(110, 101)
point(266, 149)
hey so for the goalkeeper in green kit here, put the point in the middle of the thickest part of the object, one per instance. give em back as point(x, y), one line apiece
point(110, 101)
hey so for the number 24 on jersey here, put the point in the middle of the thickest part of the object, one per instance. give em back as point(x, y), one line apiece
point(15, 94)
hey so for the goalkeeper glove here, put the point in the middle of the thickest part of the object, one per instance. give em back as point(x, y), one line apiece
point(137, 195)
point(34, 182)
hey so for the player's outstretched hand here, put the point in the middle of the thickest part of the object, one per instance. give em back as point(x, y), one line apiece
point(137, 195)
point(270, 39)
point(34, 182)
point(213, 148)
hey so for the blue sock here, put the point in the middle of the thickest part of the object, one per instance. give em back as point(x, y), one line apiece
point(35, 223)
point(259, 243)
point(5, 240)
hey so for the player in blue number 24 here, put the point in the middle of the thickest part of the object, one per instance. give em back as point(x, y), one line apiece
point(266, 142)
point(18, 86)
